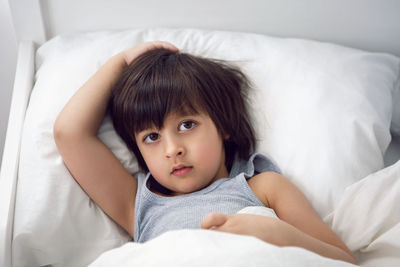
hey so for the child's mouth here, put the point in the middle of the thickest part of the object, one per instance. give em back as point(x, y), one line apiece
point(181, 170)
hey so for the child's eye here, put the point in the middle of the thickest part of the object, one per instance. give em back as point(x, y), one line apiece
point(151, 138)
point(186, 125)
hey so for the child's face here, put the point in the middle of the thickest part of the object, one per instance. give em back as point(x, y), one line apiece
point(186, 155)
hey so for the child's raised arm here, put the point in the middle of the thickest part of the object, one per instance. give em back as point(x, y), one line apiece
point(89, 161)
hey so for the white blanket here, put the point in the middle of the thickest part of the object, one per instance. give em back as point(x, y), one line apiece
point(209, 248)
point(367, 219)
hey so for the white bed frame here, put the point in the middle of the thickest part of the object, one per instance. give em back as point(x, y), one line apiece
point(372, 25)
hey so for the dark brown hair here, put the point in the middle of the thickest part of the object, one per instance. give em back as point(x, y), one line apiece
point(161, 82)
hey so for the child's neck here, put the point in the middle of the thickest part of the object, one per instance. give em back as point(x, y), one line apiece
point(157, 188)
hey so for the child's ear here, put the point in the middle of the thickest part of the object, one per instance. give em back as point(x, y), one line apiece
point(226, 137)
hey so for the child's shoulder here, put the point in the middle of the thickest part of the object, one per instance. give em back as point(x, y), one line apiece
point(263, 184)
point(255, 163)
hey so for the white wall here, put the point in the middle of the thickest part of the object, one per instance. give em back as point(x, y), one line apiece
point(8, 59)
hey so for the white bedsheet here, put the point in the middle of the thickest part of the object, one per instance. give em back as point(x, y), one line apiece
point(367, 218)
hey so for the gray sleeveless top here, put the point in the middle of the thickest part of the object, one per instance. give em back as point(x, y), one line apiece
point(155, 214)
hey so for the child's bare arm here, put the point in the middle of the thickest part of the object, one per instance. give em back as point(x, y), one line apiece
point(303, 226)
point(299, 224)
point(90, 162)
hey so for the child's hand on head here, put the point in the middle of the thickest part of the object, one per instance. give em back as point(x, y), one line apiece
point(131, 53)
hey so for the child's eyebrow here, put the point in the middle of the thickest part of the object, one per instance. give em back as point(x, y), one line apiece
point(180, 118)
point(145, 131)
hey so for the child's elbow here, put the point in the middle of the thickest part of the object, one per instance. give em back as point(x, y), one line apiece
point(58, 130)
point(59, 135)
point(62, 133)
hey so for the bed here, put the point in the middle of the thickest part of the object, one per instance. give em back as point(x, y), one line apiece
point(325, 101)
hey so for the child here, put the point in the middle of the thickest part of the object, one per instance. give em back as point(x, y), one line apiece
point(186, 121)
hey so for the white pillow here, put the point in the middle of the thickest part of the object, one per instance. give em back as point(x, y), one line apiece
point(322, 114)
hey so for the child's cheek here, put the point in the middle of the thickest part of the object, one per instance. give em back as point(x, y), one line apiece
point(209, 153)
point(153, 161)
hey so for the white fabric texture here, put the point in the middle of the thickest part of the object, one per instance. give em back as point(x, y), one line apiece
point(322, 113)
point(257, 210)
point(209, 248)
point(367, 218)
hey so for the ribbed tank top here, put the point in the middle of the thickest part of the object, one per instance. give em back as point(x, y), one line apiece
point(155, 214)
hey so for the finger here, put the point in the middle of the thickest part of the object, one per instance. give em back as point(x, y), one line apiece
point(214, 219)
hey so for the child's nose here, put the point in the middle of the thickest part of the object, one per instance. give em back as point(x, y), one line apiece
point(173, 147)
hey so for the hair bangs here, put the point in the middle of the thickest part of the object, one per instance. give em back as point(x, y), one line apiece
point(162, 90)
